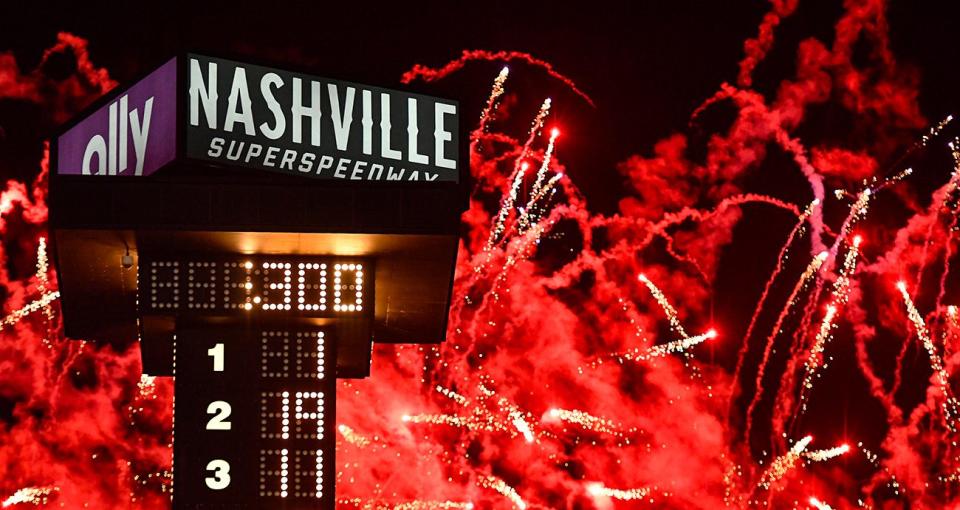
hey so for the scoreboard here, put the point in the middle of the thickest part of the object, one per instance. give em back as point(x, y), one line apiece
point(255, 230)
point(256, 286)
point(253, 417)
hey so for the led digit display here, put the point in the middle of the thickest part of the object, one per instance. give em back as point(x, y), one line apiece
point(254, 417)
point(273, 285)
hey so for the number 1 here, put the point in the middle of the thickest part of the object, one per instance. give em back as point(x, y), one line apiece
point(217, 353)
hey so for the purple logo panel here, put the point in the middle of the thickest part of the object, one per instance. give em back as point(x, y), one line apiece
point(133, 135)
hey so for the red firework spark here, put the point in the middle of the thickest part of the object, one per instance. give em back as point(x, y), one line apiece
point(566, 380)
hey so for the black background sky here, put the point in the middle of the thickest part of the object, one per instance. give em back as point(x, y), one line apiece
point(647, 64)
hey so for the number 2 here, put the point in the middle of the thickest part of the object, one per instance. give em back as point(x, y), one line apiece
point(220, 411)
point(216, 352)
point(221, 474)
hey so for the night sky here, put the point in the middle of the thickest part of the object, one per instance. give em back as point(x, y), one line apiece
point(647, 64)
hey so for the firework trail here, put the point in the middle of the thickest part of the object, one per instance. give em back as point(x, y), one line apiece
point(532, 211)
point(529, 214)
point(31, 495)
point(440, 419)
point(352, 437)
point(489, 414)
point(781, 257)
point(819, 505)
point(425, 73)
point(507, 206)
point(537, 123)
point(545, 165)
point(492, 482)
point(786, 411)
point(668, 309)
point(678, 345)
point(495, 94)
point(745, 345)
point(951, 406)
point(520, 170)
point(585, 420)
point(952, 188)
point(802, 283)
point(783, 464)
point(41, 303)
point(827, 454)
point(597, 489)
point(645, 354)
point(816, 359)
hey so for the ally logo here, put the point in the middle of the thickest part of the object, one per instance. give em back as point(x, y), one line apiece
point(133, 135)
point(106, 153)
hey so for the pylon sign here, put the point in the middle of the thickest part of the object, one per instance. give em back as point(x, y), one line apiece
point(256, 229)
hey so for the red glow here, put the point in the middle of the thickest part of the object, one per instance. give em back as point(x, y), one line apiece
point(438, 423)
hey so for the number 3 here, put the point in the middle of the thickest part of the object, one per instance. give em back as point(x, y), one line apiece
point(221, 474)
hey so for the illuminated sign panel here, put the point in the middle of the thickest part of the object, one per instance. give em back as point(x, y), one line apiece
point(259, 117)
point(268, 285)
point(246, 115)
point(134, 134)
point(254, 418)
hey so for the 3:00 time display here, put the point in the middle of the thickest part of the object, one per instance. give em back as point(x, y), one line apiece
point(316, 286)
